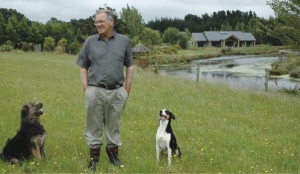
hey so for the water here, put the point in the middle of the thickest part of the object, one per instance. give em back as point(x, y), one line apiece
point(238, 71)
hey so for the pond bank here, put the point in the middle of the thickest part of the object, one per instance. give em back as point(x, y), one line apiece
point(245, 71)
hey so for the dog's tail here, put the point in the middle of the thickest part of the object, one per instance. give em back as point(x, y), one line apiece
point(1, 156)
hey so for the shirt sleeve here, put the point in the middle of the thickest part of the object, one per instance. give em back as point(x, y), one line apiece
point(129, 56)
point(83, 60)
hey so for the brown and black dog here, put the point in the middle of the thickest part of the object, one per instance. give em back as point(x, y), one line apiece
point(30, 138)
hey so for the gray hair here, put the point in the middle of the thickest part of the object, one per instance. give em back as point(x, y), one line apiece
point(109, 13)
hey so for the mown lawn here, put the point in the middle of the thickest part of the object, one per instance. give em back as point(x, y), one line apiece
point(219, 129)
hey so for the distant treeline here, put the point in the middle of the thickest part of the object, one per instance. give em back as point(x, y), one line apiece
point(221, 21)
point(216, 21)
point(18, 29)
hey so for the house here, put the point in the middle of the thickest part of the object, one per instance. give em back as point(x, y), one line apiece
point(222, 39)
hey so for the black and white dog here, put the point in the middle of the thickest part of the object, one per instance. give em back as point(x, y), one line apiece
point(165, 138)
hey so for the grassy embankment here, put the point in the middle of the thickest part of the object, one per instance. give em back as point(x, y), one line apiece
point(219, 129)
point(169, 55)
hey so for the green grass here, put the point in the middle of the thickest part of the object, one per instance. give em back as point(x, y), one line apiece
point(218, 128)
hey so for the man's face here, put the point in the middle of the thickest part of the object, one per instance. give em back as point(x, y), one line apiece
point(103, 25)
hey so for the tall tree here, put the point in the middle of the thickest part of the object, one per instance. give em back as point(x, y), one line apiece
point(2, 29)
point(36, 33)
point(171, 35)
point(150, 37)
point(240, 26)
point(287, 27)
point(182, 40)
point(133, 21)
point(22, 28)
point(11, 33)
point(49, 29)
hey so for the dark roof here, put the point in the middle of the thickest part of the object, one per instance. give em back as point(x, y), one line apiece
point(222, 35)
point(140, 48)
point(199, 36)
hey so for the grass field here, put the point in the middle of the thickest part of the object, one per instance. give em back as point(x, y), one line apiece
point(219, 129)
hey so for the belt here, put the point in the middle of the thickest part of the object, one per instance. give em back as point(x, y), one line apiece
point(109, 87)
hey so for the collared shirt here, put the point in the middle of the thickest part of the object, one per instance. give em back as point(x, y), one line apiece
point(105, 60)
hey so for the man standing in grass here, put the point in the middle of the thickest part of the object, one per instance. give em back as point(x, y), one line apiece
point(102, 59)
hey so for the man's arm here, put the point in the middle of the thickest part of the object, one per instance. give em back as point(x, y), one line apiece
point(129, 77)
point(84, 78)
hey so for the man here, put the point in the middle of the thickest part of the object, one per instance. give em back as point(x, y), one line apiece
point(102, 59)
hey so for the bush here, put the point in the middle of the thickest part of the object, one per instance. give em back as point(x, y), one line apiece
point(294, 91)
point(58, 49)
point(289, 66)
point(74, 47)
point(170, 49)
point(295, 73)
point(26, 46)
point(7, 47)
point(226, 50)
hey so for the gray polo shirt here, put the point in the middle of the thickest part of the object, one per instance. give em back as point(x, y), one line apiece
point(105, 61)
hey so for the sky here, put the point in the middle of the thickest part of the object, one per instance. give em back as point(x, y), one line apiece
point(65, 10)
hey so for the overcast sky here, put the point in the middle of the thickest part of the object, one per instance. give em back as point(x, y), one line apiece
point(65, 10)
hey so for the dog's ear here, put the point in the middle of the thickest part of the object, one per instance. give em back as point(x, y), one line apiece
point(24, 111)
point(170, 114)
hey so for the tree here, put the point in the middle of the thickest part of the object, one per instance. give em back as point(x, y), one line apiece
point(287, 27)
point(183, 40)
point(49, 29)
point(240, 26)
point(2, 29)
point(150, 37)
point(62, 43)
point(174, 36)
point(22, 28)
point(11, 33)
point(187, 32)
point(49, 43)
point(171, 35)
point(74, 47)
point(35, 33)
point(133, 21)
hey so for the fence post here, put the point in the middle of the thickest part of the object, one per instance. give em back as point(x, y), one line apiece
point(156, 68)
point(266, 79)
point(198, 71)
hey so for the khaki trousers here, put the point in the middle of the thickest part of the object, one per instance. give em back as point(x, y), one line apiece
point(104, 109)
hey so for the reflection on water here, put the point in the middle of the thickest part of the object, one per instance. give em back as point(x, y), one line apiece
point(238, 71)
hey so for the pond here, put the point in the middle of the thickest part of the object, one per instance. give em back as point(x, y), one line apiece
point(238, 71)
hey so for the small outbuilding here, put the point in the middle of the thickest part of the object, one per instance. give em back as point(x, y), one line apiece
point(140, 48)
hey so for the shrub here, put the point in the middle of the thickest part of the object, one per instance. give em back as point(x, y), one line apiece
point(279, 71)
point(74, 47)
point(59, 49)
point(26, 46)
point(295, 73)
point(7, 47)
point(170, 49)
point(290, 66)
point(294, 91)
point(226, 50)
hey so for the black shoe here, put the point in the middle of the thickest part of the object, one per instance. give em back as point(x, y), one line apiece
point(92, 165)
point(95, 154)
point(112, 153)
